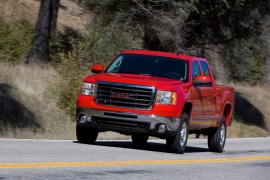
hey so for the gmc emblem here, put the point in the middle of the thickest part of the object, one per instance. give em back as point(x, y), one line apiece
point(122, 95)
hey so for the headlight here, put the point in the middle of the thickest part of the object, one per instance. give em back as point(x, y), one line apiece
point(88, 89)
point(166, 97)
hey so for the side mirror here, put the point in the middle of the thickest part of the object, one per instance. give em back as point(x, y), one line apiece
point(203, 80)
point(97, 68)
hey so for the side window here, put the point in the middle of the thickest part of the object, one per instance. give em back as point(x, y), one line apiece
point(195, 70)
point(205, 69)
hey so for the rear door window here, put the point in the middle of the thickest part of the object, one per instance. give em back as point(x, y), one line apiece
point(205, 69)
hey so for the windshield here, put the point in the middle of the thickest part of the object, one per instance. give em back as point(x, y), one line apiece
point(150, 66)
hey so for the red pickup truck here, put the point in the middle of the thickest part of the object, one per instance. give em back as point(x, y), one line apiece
point(147, 93)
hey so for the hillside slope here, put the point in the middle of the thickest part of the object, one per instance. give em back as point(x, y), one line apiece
point(70, 15)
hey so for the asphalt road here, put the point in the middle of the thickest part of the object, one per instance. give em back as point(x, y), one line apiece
point(50, 159)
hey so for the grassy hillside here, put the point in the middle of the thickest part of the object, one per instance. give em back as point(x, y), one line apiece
point(252, 111)
point(29, 105)
point(71, 16)
point(39, 101)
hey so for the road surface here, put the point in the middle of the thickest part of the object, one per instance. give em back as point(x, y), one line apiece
point(52, 159)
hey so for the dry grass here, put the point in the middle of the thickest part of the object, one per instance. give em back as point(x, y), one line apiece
point(252, 111)
point(70, 15)
point(239, 129)
point(259, 97)
point(29, 91)
point(12, 11)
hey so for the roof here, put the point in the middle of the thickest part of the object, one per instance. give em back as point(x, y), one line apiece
point(158, 53)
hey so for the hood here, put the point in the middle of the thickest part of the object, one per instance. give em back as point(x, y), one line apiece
point(143, 80)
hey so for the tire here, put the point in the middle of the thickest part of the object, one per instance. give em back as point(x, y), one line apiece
point(139, 139)
point(178, 143)
point(217, 138)
point(86, 135)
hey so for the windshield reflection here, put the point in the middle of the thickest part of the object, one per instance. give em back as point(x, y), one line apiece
point(150, 66)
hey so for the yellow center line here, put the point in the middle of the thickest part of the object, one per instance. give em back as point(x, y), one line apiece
point(122, 163)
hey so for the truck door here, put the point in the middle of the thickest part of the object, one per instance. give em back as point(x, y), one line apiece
point(197, 116)
point(209, 95)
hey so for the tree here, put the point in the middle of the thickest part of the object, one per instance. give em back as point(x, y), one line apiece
point(222, 21)
point(45, 27)
point(164, 23)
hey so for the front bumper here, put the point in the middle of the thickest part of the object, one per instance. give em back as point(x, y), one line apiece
point(127, 123)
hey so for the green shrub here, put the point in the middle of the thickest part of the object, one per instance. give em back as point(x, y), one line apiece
point(56, 47)
point(103, 41)
point(72, 69)
point(246, 60)
point(62, 43)
point(15, 39)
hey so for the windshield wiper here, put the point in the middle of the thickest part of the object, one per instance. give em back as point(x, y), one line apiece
point(155, 75)
point(164, 76)
point(128, 72)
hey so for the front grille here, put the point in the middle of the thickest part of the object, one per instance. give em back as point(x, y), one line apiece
point(106, 122)
point(123, 95)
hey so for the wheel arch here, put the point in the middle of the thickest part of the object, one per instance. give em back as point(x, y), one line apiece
point(187, 108)
point(227, 113)
point(227, 104)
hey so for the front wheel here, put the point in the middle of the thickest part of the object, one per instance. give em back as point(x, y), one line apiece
point(86, 135)
point(178, 143)
point(217, 138)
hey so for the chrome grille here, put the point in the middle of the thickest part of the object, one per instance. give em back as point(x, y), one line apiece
point(124, 95)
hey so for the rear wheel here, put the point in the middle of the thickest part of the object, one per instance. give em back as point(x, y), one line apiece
point(139, 139)
point(217, 138)
point(86, 135)
point(178, 143)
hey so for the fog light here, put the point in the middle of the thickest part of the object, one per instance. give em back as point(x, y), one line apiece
point(83, 119)
point(161, 128)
